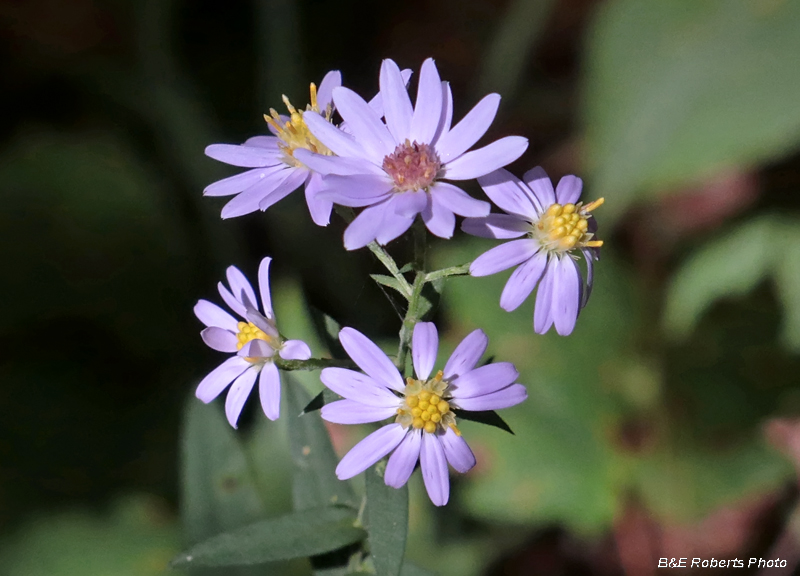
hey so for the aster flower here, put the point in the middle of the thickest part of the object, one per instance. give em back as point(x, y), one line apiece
point(254, 340)
point(424, 426)
point(396, 169)
point(552, 225)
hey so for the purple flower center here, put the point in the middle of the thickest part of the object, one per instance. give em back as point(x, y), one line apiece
point(424, 406)
point(412, 166)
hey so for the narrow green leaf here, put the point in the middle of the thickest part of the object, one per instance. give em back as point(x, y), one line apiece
point(411, 569)
point(407, 267)
point(315, 483)
point(218, 492)
point(730, 265)
point(429, 299)
point(489, 417)
point(389, 281)
point(325, 397)
point(295, 535)
point(387, 521)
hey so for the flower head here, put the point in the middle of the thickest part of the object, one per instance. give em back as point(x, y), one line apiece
point(423, 408)
point(254, 340)
point(552, 225)
point(275, 170)
point(396, 169)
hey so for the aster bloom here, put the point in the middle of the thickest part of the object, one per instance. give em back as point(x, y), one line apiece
point(551, 226)
point(424, 426)
point(396, 169)
point(254, 340)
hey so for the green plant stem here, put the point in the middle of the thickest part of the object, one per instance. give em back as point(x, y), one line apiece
point(410, 320)
point(462, 270)
point(313, 364)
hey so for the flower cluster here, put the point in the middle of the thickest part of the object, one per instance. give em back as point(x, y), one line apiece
point(396, 160)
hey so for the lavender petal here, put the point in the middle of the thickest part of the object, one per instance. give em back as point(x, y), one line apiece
point(403, 460)
point(409, 204)
point(466, 133)
point(218, 379)
point(542, 313)
point(295, 350)
point(498, 226)
point(240, 287)
point(337, 165)
point(331, 80)
point(366, 126)
point(459, 202)
point(538, 181)
point(370, 450)
point(503, 398)
point(487, 159)
point(266, 142)
point(243, 156)
point(352, 412)
point(566, 296)
point(291, 183)
point(503, 257)
point(248, 201)
point(356, 191)
point(239, 182)
point(511, 194)
point(393, 226)
point(428, 106)
point(396, 105)
point(484, 380)
point(588, 256)
point(457, 451)
point(232, 302)
point(447, 113)
point(569, 189)
point(466, 355)
point(269, 391)
point(256, 348)
point(359, 387)
point(319, 208)
point(212, 315)
point(238, 394)
point(371, 359)
point(338, 141)
point(364, 229)
point(219, 339)
point(439, 219)
point(424, 347)
point(434, 469)
point(263, 286)
point(522, 282)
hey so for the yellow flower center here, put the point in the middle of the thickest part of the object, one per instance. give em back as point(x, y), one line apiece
point(425, 406)
point(564, 228)
point(294, 133)
point(248, 332)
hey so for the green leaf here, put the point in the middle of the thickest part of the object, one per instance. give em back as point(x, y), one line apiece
point(387, 521)
point(411, 569)
point(678, 90)
point(429, 298)
point(731, 265)
point(389, 281)
point(325, 397)
point(295, 535)
point(315, 483)
point(218, 492)
point(489, 417)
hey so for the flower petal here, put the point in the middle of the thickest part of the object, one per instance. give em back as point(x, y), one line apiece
point(319, 208)
point(238, 394)
point(434, 469)
point(459, 202)
point(240, 287)
point(243, 155)
point(569, 189)
point(263, 285)
point(336, 164)
point(396, 103)
point(269, 391)
point(370, 450)
point(212, 315)
point(542, 313)
point(503, 257)
point(511, 194)
point(566, 296)
point(484, 380)
point(256, 348)
point(267, 142)
point(292, 182)
point(240, 182)
point(466, 355)
point(424, 348)
point(359, 387)
point(332, 79)
point(522, 282)
point(219, 339)
point(463, 136)
point(353, 412)
point(232, 302)
point(371, 359)
point(356, 191)
point(403, 460)
point(409, 204)
point(487, 159)
point(457, 451)
point(499, 226)
point(338, 141)
point(503, 398)
point(366, 126)
point(428, 106)
point(249, 200)
point(447, 112)
point(538, 181)
point(365, 228)
point(588, 256)
point(218, 379)
point(392, 227)
point(439, 219)
point(295, 350)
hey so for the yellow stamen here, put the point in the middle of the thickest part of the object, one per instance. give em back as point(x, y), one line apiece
point(564, 228)
point(424, 406)
point(592, 205)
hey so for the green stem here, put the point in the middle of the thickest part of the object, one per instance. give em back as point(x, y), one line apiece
point(410, 320)
point(462, 270)
point(312, 364)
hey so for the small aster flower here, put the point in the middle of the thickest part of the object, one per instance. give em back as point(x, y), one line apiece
point(396, 169)
point(424, 426)
point(554, 226)
point(254, 340)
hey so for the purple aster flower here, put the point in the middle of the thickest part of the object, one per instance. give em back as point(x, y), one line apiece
point(551, 225)
point(424, 426)
point(396, 169)
point(275, 171)
point(254, 340)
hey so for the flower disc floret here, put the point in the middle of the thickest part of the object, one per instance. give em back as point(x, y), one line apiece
point(412, 166)
point(293, 132)
point(424, 406)
point(563, 228)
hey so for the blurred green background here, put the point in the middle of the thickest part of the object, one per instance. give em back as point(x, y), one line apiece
point(655, 430)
